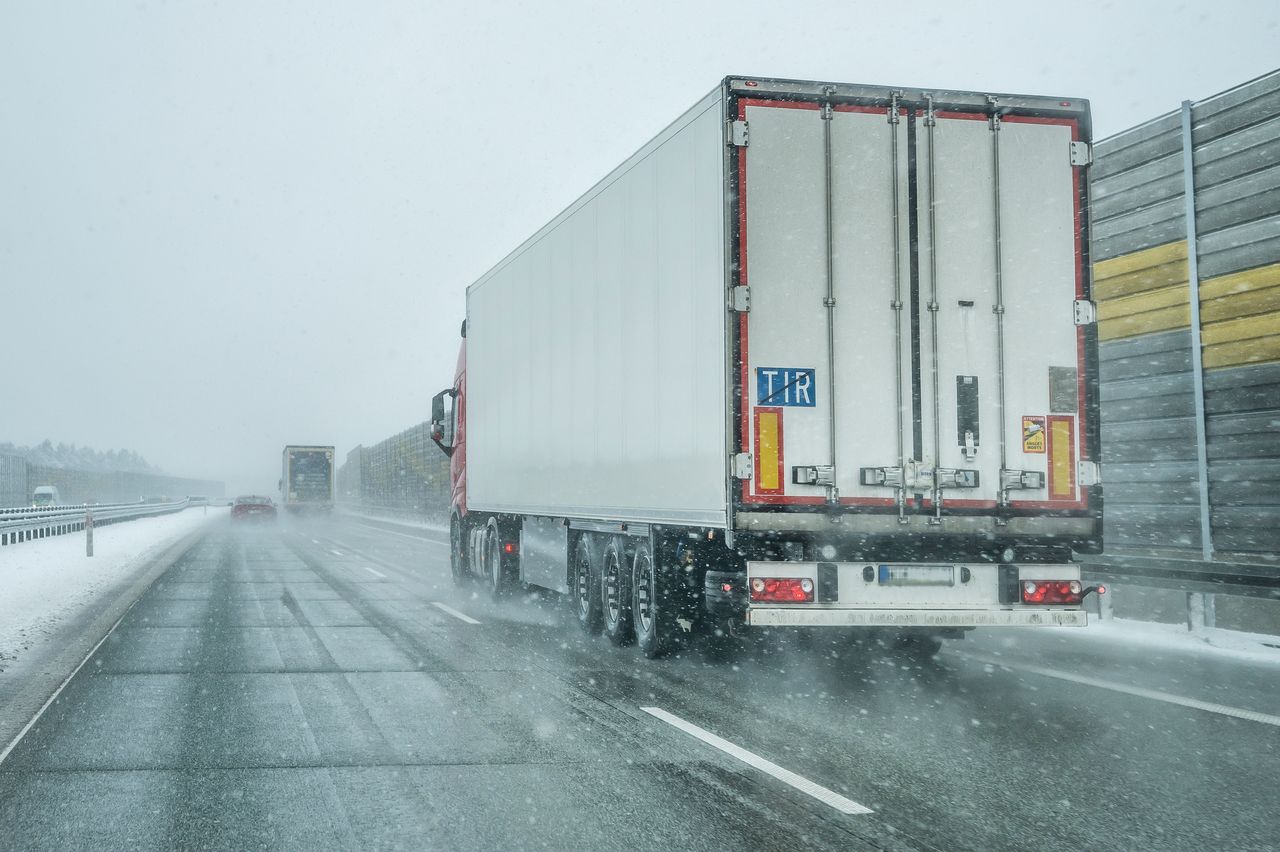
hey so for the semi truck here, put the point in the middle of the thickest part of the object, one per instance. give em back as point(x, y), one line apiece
point(306, 479)
point(818, 355)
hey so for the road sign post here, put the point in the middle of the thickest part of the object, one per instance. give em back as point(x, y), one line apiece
point(88, 532)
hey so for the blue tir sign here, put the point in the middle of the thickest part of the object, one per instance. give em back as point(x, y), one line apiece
point(785, 386)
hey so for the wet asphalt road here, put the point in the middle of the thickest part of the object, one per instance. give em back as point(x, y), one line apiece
point(298, 687)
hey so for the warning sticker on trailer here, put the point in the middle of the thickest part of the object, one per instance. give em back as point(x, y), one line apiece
point(791, 386)
point(1033, 434)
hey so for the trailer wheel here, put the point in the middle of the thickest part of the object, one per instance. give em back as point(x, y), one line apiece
point(615, 591)
point(586, 586)
point(496, 573)
point(653, 607)
point(457, 550)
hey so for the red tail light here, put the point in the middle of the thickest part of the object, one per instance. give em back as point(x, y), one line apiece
point(509, 547)
point(1052, 591)
point(782, 589)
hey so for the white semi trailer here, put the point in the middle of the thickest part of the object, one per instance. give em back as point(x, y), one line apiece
point(306, 478)
point(818, 355)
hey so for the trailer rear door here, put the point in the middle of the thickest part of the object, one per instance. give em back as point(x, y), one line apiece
point(911, 333)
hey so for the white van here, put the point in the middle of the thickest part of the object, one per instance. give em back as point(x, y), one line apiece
point(46, 495)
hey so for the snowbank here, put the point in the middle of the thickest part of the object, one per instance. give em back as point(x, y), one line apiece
point(403, 521)
point(46, 582)
point(1121, 632)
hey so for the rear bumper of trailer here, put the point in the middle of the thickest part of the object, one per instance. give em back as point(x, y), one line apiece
point(789, 616)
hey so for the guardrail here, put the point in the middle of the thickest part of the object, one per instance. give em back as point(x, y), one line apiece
point(1248, 575)
point(24, 524)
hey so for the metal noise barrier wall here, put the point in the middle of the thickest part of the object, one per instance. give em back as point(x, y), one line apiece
point(404, 474)
point(1187, 280)
point(19, 479)
point(13, 481)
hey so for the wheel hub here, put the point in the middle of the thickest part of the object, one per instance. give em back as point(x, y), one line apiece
point(582, 574)
point(644, 589)
point(611, 585)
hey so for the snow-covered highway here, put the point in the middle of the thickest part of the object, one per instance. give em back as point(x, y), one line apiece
point(327, 686)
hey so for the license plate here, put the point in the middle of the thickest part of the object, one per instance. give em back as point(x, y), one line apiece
point(917, 575)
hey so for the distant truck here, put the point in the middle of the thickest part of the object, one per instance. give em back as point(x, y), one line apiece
point(817, 356)
point(306, 479)
point(46, 495)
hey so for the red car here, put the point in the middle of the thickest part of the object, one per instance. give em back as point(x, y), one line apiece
point(250, 507)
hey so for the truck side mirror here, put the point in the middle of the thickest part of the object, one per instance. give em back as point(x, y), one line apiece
point(442, 420)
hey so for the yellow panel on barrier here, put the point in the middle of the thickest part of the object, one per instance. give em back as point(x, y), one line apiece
point(1165, 297)
point(1140, 272)
point(1164, 319)
point(1244, 328)
point(1259, 350)
point(1139, 260)
point(1254, 291)
point(1241, 282)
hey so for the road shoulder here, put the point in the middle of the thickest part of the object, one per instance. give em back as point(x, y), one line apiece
point(27, 683)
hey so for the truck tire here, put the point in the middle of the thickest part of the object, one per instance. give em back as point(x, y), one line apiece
point(457, 550)
point(585, 586)
point(496, 571)
point(615, 592)
point(653, 608)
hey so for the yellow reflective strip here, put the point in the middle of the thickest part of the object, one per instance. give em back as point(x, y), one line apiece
point(767, 426)
point(1063, 480)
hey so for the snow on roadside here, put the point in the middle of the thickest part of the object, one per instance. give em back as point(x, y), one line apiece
point(414, 522)
point(1250, 647)
point(46, 582)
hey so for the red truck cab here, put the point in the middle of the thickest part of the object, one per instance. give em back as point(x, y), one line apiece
point(449, 431)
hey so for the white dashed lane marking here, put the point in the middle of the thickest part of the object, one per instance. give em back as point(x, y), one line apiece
point(786, 776)
point(461, 616)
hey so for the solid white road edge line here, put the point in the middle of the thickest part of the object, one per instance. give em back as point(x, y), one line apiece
point(458, 615)
point(1154, 695)
point(786, 776)
point(373, 572)
point(52, 698)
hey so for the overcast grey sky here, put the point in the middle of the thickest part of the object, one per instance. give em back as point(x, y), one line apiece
point(228, 226)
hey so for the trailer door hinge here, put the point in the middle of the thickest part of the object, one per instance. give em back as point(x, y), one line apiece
point(1084, 311)
point(1088, 473)
point(742, 466)
point(1081, 153)
point(738, 133)
point(740, 299)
